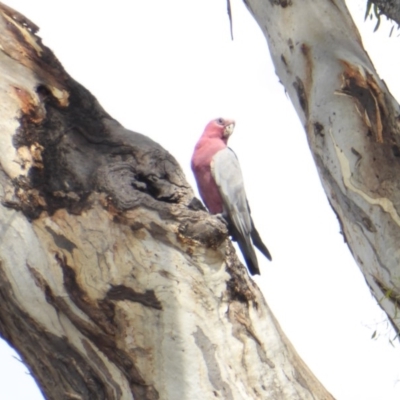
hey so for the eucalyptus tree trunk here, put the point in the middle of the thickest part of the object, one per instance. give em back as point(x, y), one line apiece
point(352, 125)
point(114, 282)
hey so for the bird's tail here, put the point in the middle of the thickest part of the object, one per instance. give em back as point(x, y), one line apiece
point(255, 236)
point(249, 254)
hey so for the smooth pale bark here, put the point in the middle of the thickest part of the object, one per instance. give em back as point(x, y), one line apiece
point(352, 126)
point(114, 283)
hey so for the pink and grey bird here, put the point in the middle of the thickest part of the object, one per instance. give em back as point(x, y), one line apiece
point(220, 183)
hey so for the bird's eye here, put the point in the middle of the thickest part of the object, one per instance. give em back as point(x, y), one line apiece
point(220, 121)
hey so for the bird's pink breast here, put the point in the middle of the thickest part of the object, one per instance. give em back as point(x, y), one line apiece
point(201, 166)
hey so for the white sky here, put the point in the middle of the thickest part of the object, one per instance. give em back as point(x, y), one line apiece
point(165, 68)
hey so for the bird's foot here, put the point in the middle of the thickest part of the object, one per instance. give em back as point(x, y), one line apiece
point(196, 205)
point(222, 219)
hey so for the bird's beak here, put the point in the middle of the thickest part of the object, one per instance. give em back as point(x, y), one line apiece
point(229, 129)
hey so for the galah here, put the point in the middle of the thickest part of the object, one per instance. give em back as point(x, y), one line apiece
point(220, 183)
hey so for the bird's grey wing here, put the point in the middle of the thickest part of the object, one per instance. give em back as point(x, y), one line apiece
point(225, 169)
point(227, 174)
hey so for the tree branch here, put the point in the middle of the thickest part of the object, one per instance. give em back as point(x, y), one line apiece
point(352, 124)
point(114, 283)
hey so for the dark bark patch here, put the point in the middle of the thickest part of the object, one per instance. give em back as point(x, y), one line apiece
point(103, 341)
point(32, 53)
point(282, 3)
point(367, 103)
point(238, 290)
point(196, 205)
point(319, 129)
point(237, 287)
point(61, 241)
point(80, 149)
point(371, 103)
point(378, 165)
point(356, 153)
point(52, 360)
point(80, 298)
point(309, 67)
point(368, 225)
point(301, 95)
point(114, 390)
point(396, 150)
point(389, 293)
point(305, 50)
point(135, 226)
point(121, 292)
point(18, 17)
point(209, 232)
point(159, 233)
